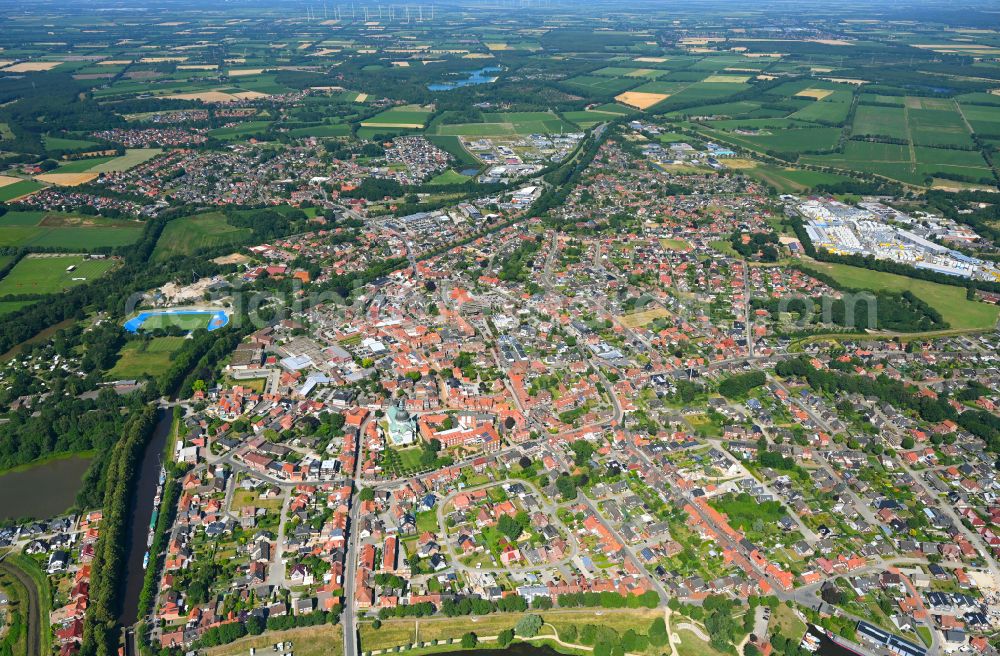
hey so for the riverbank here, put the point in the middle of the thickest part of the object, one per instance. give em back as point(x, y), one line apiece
point(44, 460)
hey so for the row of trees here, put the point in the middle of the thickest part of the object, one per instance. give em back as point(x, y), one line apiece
point(980, 423)
point(101, 634)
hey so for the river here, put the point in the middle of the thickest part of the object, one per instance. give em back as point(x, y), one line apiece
point(140, 515)
point(44, 490)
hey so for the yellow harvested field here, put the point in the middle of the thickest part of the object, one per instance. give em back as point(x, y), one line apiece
point(217, 96)
point(497, 46)
point(640, 72)
point(641, 100)
point(846, 80)
point(401, 64)
point(413, 126)
point(477, 55)
point(650, 60)
point(162, 60)
point(171, 24)
point(361, 97)
point(728, 79)
point(31, 67)
point(832, 42)
point(66, 179)
point(638, 319)
point(766, 77)
point(198, 67)
point(6, 62)
point(114, 62)
point(8, 180)
point(816, 94)
point(738, 163)
point(239, 72)
point(820, 69)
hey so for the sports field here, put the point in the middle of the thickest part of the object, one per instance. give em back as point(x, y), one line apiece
point(950, 301)
point(183, 319)
point(186, 235)
point(47, 274)
point(58, 230)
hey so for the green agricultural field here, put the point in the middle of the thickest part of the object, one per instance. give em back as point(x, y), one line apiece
point(82, 165)
point(133, 157)
point(47, 274)
point(63, 143)
point(593, 85)
point(453, 146)
point(938, 127)
point(828, 110)
point(788, 180)
point(410, 116)
point(322, 131)
point(57, 230)
point(145, 358)
point(18, 189)
point(985, 120)
point(589, 118)
point(786, 141)
point(949, 300)
point(189, 234)
point(880, 121)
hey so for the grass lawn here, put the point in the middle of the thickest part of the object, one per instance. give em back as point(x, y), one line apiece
point(784, 620)
point(243, 498)
point(48, 274)
point(6, 307)
point(145, 358)
point(408, 630)
point(186, 235)
point(449, 177)
point(637, 319)
point(692, 645)
point(674, 244)
point(307, 641)
point(950, 301)
point(620, 619)
point(427, 521)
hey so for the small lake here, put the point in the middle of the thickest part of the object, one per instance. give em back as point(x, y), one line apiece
point(42, 491)
point(484, 75)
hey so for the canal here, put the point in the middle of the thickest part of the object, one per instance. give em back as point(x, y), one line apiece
point(43, 490)
point(140, 516)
